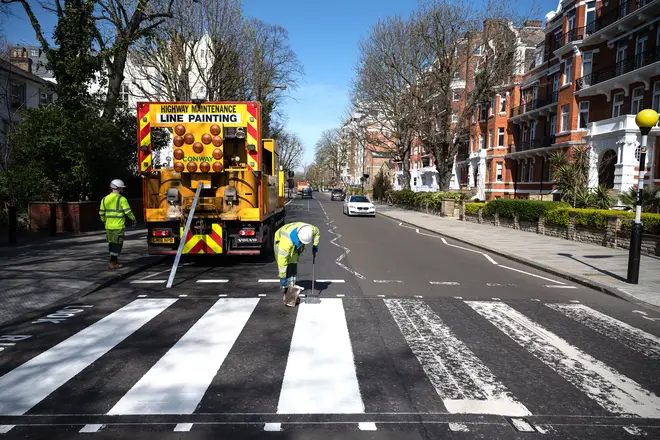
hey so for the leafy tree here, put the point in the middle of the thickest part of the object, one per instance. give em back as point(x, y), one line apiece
point(572, 178)
point(650, 198)
point(382, 185)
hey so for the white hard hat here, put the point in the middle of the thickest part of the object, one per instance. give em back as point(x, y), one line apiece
point(305, 234)
point(117, 183)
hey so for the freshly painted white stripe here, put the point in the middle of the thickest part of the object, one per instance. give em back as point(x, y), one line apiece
point(183, 427)
point(521, 425)
point(183, 296)
point(445, 283)
point(635, 430)
point(609, 388)
point(4, 429)
point(575, 301)
point(367, 426)
point(142, 296)
point(178, 381)
point(330, 281)
point(222, 295)
point(269, 281)
point(262, 294)
point(489, 258)
point(340, 295)
point(553, 286)
point(388, 281)
point(462, 381)
point(320, 375)
point(531, 274)
point(27, 385)
point(91, 428)
point(381, 296)
point(458, 427)
point(148, 281)
point(272, 427)
point(458, 297)
point(212, 281)
point(640, 312)
point(633, 338)
point(419, 296)
point(496, 299)
point(537, 300)
point(544, 429)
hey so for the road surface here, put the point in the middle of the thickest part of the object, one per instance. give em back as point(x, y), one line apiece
point(414, 336)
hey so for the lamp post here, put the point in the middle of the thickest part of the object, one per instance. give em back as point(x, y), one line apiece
point(645, 120)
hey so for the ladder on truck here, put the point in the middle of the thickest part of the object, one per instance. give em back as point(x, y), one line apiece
point(182, 241)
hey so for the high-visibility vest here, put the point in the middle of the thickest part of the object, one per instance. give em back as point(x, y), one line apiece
point(113, 211)
point(285, 251)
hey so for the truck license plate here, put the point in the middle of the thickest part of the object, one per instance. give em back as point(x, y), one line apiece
point(163, 240)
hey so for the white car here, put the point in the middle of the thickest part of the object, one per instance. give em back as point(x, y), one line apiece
point(359, 205)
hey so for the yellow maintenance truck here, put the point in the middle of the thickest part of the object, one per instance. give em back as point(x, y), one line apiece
point(224, 184)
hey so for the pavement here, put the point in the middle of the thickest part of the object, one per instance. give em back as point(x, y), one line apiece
point(43, 272)
point(414, 335)
point(598, 267)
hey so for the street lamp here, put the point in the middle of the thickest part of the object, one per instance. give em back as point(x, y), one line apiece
point(645, 120)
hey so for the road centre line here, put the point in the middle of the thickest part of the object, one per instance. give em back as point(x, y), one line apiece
point(212, 281)
point(445, 283)
point(552, 286)
point(531, 274)
point(148, 281)
point(388, 281)
point(91, 428)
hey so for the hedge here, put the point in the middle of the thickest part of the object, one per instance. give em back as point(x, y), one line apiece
point(423, 199)
point(473, 208)
point(597, 219)
point(528, 210)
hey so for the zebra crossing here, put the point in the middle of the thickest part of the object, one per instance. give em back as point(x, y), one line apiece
point(337, 359)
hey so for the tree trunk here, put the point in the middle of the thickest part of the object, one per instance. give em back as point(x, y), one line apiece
point(115, 78)
point(443, 165)
point(406, 166)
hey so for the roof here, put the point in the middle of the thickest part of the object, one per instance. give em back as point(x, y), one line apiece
point(6, 66)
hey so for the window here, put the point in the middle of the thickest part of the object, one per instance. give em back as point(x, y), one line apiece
point(492, 108)
point(18, 92)
point(124, 92)
point(655, 104)
point(532, 130)
point(498, 172)
point(621, 49)
point(477, 49)
point(565, 114)
point(482, 142)
point(484, 112)
point(503, 104)
point(34, 52)
point(590, 18)
point(587, 63)
point(490, 138)
point(640, 48)
point(584, 114)
point(568, 71)
point(457, 96)
point(474, 115)
point(617, 105)
point(637, 103)
point(530, 171)
point(500, 136)
point(553, 125)
point(454, 117)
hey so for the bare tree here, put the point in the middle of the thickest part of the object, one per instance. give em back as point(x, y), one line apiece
point(291, 150)
point(332, 153)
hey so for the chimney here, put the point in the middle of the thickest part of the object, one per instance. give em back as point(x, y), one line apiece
point(19, 58)
point(534, 23)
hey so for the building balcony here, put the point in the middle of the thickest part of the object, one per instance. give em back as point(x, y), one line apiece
point(533, 108)
point(614, 126)
point(626, 16)
point(562, 45)
point(639, 68)
point(526, 146)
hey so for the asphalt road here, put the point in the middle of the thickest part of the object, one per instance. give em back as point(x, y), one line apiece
point(413, 336)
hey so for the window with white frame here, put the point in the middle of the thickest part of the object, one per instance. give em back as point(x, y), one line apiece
point(490, 138)
point(503, 104)
point(500, 137)
point(530, 171)
point(587, 65)
point(474, 115)
point(655, 102)
point(637, 103)
point(482, 142)
point(617, 105)
point(477, 49)
point(484, 112)
point(454, 117)
point(568, 71)
point(584, 114)
point(532, 131)
point(124, 92)
point(498, 172)
point(553, 124)
point(34, 52)
point(565, 118)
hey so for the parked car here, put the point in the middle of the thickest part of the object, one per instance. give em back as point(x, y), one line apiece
point(338, 194)
point(359, 205)
point(306, 192)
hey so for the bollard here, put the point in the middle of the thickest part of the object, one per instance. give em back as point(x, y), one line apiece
point(53, 219)
point(13, 224)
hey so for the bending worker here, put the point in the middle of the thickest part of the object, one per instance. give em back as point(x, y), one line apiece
point(114, 208)
point(290, 241)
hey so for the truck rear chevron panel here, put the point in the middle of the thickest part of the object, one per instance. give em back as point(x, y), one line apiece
point(144, 137)
point(204, 244)
point(253, 136)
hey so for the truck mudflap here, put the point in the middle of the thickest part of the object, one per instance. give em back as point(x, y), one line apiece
point(164, 238)
point(210, 243)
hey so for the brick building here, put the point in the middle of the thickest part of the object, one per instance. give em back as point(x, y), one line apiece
point(595, 66)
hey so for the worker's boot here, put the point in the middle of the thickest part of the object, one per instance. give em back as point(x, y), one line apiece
point(115, 265)
point(291, 296)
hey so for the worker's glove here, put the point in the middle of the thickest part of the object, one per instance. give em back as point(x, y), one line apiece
point(283, 282)
point(315, 249)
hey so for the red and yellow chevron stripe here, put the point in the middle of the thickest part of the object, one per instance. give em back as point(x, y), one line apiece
point(252, 137)
point(204, 244)
point(144, 138)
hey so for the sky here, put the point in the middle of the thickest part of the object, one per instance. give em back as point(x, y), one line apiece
point(323, 33)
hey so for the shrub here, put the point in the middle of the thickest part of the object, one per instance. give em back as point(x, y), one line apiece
point(597, 219)
point(433, 200)
point(473, 208)
point(558, 217)
point(528, 210)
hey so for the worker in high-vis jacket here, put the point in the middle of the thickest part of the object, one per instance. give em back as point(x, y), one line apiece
point(290, 241)
point(113, 211)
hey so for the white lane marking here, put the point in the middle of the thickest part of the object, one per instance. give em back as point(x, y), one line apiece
point(635, 430)
point(4, 429)
point(331, 230)
point(183, 427)
point(388, 281)
point(381, 296)
point(537, 300)
point(91, 428)
point(609, 388)
point(575, 301)
point(288, 202)
point(462, 381)
point(445, 283)
point(148, 281)
point(640, 312)
point(521, 425)
point(552, 286)
point(212, 281)
point(632, 337)
point(222, 295)
point(340, 295)
point(367, 426)
point(489, 258)
point(419, 296)
point(142, 296)
point(27, 385)
point(330, 281)
point(155, 274)
point(272, 427)
point(544, 429)
point(496, 299)
point(458, 427)
point(500, 285)
point(262, 294)
point(458, 297)
point(531, 274)
point(320, 346)
point(268, 281)
point(178, 381)
point(183, 296)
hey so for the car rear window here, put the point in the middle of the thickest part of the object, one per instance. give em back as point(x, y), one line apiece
point(360, 199)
